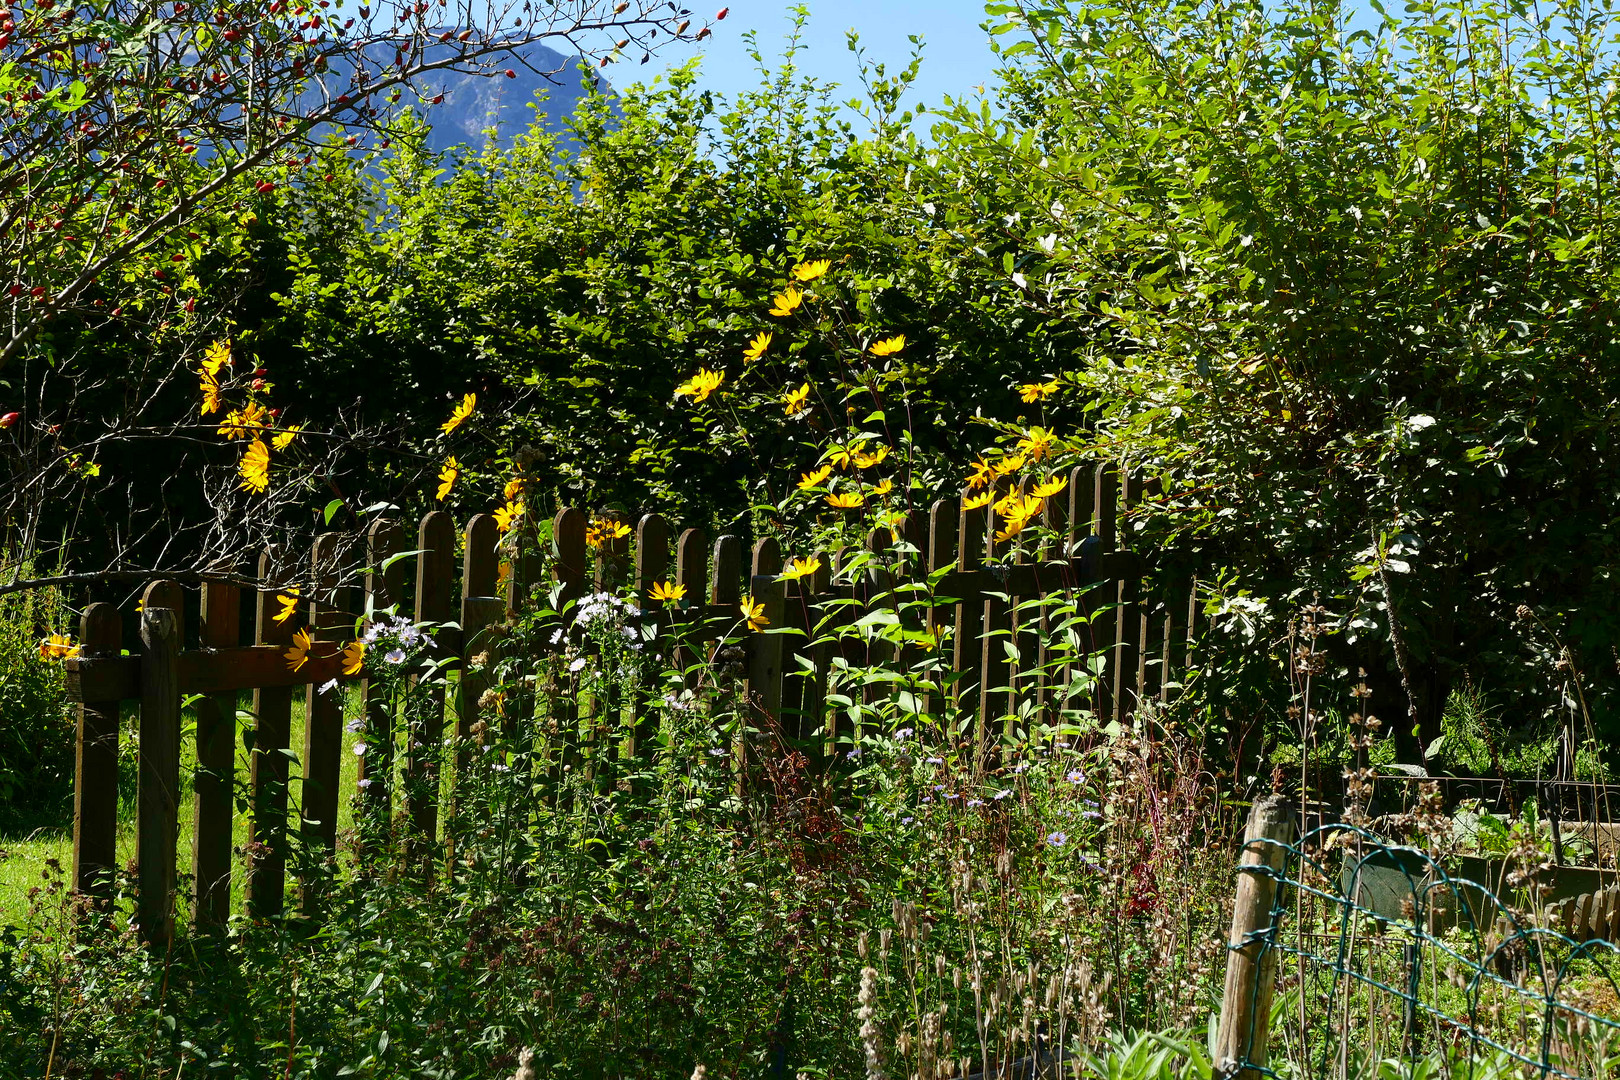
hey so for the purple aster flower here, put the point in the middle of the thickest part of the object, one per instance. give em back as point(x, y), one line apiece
point(395, 656)
point(353, 726)
point(1076, 777)
point(1002, 794)
point(1057, 839)
point(975, 802)
point(360, 749)
point(907, 820)
point(364, 784)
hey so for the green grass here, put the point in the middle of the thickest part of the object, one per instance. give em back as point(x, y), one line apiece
point(27, 856)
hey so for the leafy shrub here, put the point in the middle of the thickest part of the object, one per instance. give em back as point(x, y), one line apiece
point(37, 732)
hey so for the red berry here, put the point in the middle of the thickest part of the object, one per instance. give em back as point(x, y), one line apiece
point(258, 384)
point(722, 14)
point(9, 419)
point(275, 414)
point(510, 74)
point(260, 373)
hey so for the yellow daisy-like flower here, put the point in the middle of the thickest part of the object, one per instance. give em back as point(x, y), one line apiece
point(211, 402)
point(604, 529)
point(983, 475)
point(57, 647)
point(889, 346)
point(797, 402)
point(464, 410)
point(866, 461)
point(354, 657)
point(1036, 443)
point(508, 515)
point(1035, 391)
point(298, 655)
point(254, 468)
point(809, 271)
point(245, 422)
point(667, 591)
point(514, 488)
point(289, 604)
point(216, 356)
point(757, 347)
point(849, 500)
point(800, 568)
point(283, 439)
point(1010, 464)
point(814, 479)
point(701, 385)
point(1050, 486)
point(787, 302)
point(753, 614)
point(975, 501)
point(883, 487)
point(447, 477)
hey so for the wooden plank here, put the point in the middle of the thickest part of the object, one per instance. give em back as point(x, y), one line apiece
point(435, 604)
point(995, 672)
point(568, 567)
point(385, 589)
point(323, 722)
point(970, 541)
point(613, 553)
point(692, 571)
point(1104, 519)
point(95, 778)
point(940, 553)
point(652, 567)
point(726, 587)
point(157, 829)
point(480, 623)
point(877, 594)
point(267, 769)
point(764, 685)
point(1127, 619)
point(220, 611)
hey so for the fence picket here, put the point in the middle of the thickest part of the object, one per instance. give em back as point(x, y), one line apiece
point(435, 587)
point(220, 611)
point(1104, 515)
point(970, 539)
point(95, 782)
point(157, 831)
point(272, 712)
point(385, 588)
point(651, 567)
point(1127, 619)
point(481, 613)
point(940, 553)
point(691, 571)
point(323, 719)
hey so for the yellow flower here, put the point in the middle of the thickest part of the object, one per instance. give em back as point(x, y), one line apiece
point(889, 346)
point(976, 501)
point(1017, 510)
point(254, 468)
point(245, 422)
point(814, 479)
point(753, 614)
point(1035, 391)
point(298, 655)
point(809, 271)
point(883, 487)
point(982, 476)
point(289, 604)
point(283, 439)
point(211, 402)
point(701, 385)
point(604, 529)
point(216, 356)
point(1036, 443)
point(667, 591)
point(800, 568)
point(866, 461)
point(787, 302)
point(757, 347)
point(514, 488)
point(796, 402)
point(1010, 464)
point(447, 476)
point(1049, 487)
point(354, 657)
point(464, 410)
point(57, 647)
point(849, 500)
point(508, 515)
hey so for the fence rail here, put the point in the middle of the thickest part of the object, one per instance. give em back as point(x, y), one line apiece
point(1000, 650)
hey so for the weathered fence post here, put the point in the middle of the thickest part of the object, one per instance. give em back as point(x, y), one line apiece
point(158, 788)
point(384, 589)
point(765, 650)
point(323, 723)
point(1251, 959)
point(220, 628)
point(435, 580)
point(272, 708)
point(95, 788)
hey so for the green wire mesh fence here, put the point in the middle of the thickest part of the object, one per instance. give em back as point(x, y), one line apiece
point(1348, 951)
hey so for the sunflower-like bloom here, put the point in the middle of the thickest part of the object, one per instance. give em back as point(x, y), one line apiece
point(883, 487)
point(245, 422)
point(464, 410)
point(848, 500)
point(354, 657)
point(814, 479)
point(514, 488)
point(797, 402)
point(983, 474)
point(757, 347)
point(254, 468)
point(701, 385)
point(787, 302)
point(668, 592)
point(447, 477)
point(1050, 486)
point(1016, 511)
point(216, 356)
point(1037, 391)
point(889, 346)
point(1010, 464)
point(603, 530)
point(283, 439)
point(973, 502)
point(211, 402)
point(866, 461)
point(57, 647)
point(298, 655)
point(754, 615)
point(508, 515)
point(289, 604)
point(1036, 443)
point(809, 271)
point(800, 568)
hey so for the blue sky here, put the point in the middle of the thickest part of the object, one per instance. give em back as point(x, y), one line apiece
point(956, 54)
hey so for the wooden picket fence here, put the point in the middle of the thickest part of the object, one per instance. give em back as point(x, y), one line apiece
point(1144, 631)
